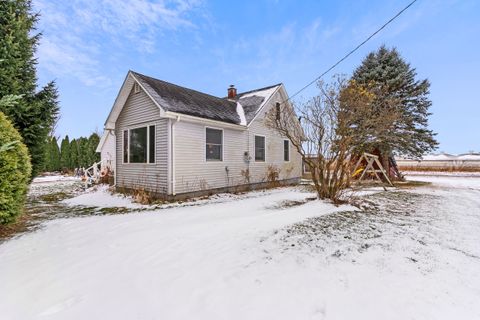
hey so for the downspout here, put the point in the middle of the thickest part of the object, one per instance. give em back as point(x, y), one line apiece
point(112, 132)
point(172, 157)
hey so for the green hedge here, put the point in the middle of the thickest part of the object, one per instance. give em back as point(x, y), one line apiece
point(15, 170)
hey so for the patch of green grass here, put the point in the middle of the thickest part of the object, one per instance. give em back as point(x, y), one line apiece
point(411, 184)
point(54, 197)
point(114, 210)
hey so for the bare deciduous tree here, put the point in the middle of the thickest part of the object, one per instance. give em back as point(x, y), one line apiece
point(328, 133)
point(322, 138)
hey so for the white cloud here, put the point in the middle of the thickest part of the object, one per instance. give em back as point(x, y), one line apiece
point(272, 53)
point(76, 34)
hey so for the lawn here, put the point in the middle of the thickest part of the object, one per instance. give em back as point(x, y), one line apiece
point(402, 254)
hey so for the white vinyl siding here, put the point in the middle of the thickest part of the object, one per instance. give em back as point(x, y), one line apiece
point(140, 111)
point(193, 173)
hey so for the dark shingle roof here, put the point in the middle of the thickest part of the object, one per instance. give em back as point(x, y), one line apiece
point(182, 100)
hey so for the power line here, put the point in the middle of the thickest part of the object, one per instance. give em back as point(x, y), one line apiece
point(352, 51)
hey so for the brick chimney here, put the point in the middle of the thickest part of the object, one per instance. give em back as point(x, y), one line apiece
point(232, 92)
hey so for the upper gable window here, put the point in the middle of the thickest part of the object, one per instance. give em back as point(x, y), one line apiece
point(286, 150)
point(259, 148)
point(213, 144)
point(277, 111)
point(136, 88)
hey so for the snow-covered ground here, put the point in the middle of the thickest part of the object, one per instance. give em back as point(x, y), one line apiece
point(100, 196)
point(412, 174)
point(408, 254)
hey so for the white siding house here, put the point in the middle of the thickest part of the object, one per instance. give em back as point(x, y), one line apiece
point(106, 148)
point(175, 141)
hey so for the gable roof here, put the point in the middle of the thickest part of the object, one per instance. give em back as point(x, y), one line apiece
point(252, 101)
point(174, 98)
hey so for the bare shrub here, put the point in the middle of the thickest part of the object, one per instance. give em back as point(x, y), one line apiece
point(202, 184)
point(324, 136)
point(272, 175)
point(142, 196)
point(246, 175)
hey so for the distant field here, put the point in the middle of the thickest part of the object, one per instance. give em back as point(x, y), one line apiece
point(440, 165)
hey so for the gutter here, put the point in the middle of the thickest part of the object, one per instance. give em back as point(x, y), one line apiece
point(112, 132)
point(175, 115)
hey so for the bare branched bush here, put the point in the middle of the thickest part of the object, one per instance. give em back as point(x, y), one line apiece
point(324, 136)
point(272, 175)
point(246, 175)
point(142, 196)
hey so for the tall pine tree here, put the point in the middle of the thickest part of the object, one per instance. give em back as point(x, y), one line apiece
point(35, 113)
point(74, 154)
point(399, 92)
point(65, 155)
point(93, 141)
point(52, 155)
point(83, 157)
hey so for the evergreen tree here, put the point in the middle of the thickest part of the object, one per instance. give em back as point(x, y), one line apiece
point(398, 92)
point(48, 164)
point(55, 154)
point(83, 158)
point(74, 154)
point(15, 171)
point(65, 160)
point(35, 113)
point(93, 141)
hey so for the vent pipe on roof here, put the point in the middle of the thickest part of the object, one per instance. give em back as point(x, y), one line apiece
point(232, 92)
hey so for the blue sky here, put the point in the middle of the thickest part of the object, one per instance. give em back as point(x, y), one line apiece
point(89, 45)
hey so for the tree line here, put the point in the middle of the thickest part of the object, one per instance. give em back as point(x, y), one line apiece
point(77, 153)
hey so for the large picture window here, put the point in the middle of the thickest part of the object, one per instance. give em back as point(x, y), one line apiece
point(139, 145)
point(214, 144)
point(259, 148)
point(286, 150)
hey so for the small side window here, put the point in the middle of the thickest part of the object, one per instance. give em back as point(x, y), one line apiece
point(125, 146)
point(213, 144)
point(151, 141)
point(136, 88)
point(259, 148)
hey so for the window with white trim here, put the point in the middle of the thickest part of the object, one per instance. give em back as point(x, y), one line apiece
point(286, 150)
point(139, 145)
point(259, 148)
point(213, 144)
point(136, 88)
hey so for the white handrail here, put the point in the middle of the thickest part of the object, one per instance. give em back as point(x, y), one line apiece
point(95, 174)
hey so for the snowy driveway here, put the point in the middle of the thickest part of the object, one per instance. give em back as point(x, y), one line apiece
point(408, 255)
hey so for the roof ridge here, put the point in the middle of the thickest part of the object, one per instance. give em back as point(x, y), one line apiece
point(176, 85)
point(260, 89)
point(207, 94)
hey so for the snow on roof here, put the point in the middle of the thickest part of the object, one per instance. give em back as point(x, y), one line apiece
point(264, 92)
point(253, 101)
point(241, 114)
point(441, 156)
point(469, 156)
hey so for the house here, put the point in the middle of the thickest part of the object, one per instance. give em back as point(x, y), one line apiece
point(178, 142)
point(106, 148)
